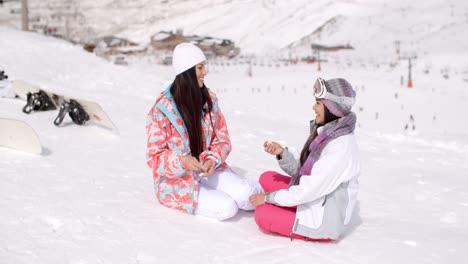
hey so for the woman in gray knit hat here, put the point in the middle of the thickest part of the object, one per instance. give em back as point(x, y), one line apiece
point(316, 201)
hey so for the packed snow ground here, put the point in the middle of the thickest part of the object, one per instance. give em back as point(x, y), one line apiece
point(89, 197)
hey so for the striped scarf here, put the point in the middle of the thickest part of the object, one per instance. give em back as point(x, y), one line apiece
point(340, 127)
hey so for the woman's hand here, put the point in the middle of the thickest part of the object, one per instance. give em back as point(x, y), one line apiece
point(192, 163)
point(208, 167)
point(273, 148)
point(257, 199)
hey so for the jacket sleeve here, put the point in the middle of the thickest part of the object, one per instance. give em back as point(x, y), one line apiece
point(220, 145)
point(160, 158)
point(288, 163)
point(334, 167)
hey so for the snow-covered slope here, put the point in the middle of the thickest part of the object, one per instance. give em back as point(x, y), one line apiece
point(89, 198)
point(264, 27)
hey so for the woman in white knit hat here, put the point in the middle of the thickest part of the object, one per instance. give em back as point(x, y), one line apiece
point(316, 201)
point(188, 143)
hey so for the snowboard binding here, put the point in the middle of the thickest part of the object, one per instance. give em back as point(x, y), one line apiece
point(39, 101)
point(74, 110)
point(3, 76)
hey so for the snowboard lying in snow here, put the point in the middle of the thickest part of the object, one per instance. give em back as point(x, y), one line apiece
point(18, 135)
point(37, 99)
point(80, 111)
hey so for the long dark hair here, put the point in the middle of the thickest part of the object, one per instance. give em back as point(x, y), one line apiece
point(190, 100)
point(329, 117)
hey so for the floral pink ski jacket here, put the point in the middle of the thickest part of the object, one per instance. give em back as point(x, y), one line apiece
point(176, 186)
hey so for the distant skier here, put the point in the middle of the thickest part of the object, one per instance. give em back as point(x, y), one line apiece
point(188, 143)
point(6, 88)
point(317, 201)
point(411, 123)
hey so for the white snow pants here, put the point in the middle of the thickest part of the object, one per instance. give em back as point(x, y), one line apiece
point(223, 193)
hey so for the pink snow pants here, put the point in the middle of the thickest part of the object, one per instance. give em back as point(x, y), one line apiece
point(276, 219)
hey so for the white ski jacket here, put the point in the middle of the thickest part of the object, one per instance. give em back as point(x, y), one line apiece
point(325, 199)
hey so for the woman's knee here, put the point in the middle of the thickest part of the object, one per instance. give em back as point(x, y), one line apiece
point(272, 181)
point(266, 177)
point(215, 204)
point(262, 217)
point(228, 210)
point(220, 211)
point(247, 189)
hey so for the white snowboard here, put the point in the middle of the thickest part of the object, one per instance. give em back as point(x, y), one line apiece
point(95, 112)
point(93, 109)
point(22, 89)
point(18, 135)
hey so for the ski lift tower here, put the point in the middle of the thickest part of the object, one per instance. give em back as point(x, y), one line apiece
point(409, 57)
point(317, 48)
point(24, 15)
point(397, 47)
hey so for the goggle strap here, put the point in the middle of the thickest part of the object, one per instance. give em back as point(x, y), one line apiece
point(348, 101)
point(323, 93)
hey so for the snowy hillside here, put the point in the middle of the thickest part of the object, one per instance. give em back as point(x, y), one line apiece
point(89, 197)
point(264, 27)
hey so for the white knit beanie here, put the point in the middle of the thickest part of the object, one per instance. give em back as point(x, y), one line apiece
point(185, 56)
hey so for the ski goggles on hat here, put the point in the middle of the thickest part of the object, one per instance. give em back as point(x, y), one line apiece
point(321, 92)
